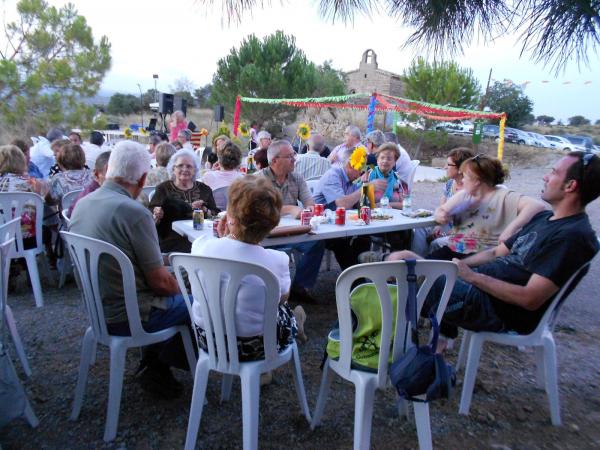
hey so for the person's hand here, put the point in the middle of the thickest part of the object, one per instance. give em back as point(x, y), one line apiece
point(441, 216)
point(380, 184)
point(222, 227)
point(437, 232)
point(158, 214)
point(464, 271)
point(507, 233)
point(198, 204)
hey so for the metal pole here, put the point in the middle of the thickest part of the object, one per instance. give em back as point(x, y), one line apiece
point(141, 103)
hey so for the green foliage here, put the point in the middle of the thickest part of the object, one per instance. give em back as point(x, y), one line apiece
point(576, 121)
point(329, 81)
point(546, 120)
point(150, 96)
point(123, 104)
point(48, 64)
point(442, 83)
point(203, 96)
point(271, 68)
point(511, 100)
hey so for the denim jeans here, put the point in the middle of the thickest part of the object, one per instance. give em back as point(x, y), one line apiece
point(307, 269)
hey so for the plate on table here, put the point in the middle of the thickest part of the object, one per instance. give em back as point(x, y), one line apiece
point(418, 213)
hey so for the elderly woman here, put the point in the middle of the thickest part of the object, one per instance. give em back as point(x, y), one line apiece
point(482, 213)
point(230, 158)
point(164, 152)
point(14, 178)
point(252, 212)
point(73, 174)
point(175, 199)
point(177, 124)
point(386, 155)
point(56, 147)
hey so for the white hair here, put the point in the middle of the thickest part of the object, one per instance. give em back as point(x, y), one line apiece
point(275, 149)
point(128, 161)
point(354, 131)
point(263, 135)
point(178, 154)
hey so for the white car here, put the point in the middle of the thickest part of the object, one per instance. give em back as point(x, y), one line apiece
point(540, 140)
point(563, 143)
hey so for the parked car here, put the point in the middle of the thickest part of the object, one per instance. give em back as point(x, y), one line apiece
point(561, 142)
point(464, 127)
point(539, 140)
point(493, 132)
point(581, 143)
point(522, 137)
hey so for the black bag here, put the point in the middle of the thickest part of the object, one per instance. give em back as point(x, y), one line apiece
point(421, 371)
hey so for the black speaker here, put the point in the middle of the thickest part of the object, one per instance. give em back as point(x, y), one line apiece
point(165, 103)
point(219, 113)
point(152, 125)
point(180, 104)
point(192, 126)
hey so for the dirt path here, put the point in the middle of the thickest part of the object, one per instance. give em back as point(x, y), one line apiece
point(508, 410)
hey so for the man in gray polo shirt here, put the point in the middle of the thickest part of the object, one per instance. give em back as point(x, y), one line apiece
point(112, 214)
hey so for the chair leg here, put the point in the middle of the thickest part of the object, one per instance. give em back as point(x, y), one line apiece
point(402, 406)
point(189, 350)
point(328, 254)
point(14, 332)
point(84, 365)
point(250, 408)
point(326, 380)
point(94, 353)
point(226, 383)
point(552, 379)
point(299, 384)
point(115, 388)
point(65, 269)
point(30, 415)
point(539, 367)
point(34, 275)
point(198, 395)
point(423, 425)
point(363, 414)
point(475, 344)
point(464, 347)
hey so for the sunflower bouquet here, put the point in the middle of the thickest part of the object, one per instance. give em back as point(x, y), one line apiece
point(358, 159)
point(303, 131)
point(128, 133)
point(244, 129)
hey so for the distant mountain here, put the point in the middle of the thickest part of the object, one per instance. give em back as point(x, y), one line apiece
point(101, 98)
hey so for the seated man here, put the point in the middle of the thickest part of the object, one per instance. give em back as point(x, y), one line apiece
point(313, 164)
point(336, 188)
point(293, 188)
point(515, 282)
point(112, 215)
point(100, 168)
point(352, 138)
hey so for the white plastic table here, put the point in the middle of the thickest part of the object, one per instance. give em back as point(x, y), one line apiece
point(325, 231)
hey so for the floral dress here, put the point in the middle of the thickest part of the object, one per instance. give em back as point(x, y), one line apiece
point(61, 184)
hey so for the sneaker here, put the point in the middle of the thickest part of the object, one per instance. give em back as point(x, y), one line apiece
point(300, 315)
point(371, 256)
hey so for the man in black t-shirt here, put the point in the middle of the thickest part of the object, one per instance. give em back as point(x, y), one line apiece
point(513, 283)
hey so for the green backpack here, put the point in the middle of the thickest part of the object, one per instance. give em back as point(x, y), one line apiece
point(366, 338)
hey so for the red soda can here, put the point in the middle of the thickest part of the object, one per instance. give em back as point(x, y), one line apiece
point(365, 214)
point(340, 216)
point(305, 216)
point(216, 227)
point(319, 209)
point(243, 170)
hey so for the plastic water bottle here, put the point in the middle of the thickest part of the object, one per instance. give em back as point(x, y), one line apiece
point(385, 203)
point(407, 204)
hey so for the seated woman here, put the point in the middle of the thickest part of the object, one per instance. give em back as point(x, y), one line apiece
point(252, 212)
point(427, 239)
point(175, 199)
point(230, 158)
point(159, 174)
point(72, 174)
point(386, 155)
point(482, 213)
point(14, 178)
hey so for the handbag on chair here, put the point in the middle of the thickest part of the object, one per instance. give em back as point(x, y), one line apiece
point(421, 371)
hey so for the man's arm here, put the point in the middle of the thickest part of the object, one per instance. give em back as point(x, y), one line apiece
point(348, 201)
point(526, 209)
point(161, 281)
point(530, 297)
point(486, 256)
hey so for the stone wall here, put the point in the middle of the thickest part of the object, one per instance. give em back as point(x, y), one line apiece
point(369, 78)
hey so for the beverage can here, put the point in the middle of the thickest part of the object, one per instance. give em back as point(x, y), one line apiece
point(216, 227)
point(319, 209)
point(340, 216)
point(365, 214)
point(198, 219)
point(305, 216)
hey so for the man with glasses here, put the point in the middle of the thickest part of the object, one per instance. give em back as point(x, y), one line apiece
point(510, 286)
point(293, 189)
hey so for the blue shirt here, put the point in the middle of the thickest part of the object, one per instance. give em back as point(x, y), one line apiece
point(333, 184)
point(34, 170)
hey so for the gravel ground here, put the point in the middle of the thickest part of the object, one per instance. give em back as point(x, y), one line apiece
point(508, 410)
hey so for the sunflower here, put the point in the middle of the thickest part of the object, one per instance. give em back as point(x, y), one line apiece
point(243, 129)
point(143, 132)
point(128, 133)
point(303, 131)
point(358, 159)
point(203, 132)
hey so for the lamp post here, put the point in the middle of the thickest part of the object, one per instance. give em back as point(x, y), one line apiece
point(155, 76)
point(141, 103)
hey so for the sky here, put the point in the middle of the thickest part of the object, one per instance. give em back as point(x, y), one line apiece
point(183, 38)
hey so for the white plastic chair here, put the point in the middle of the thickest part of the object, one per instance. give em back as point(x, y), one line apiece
point(205, 279)
point(5, 248)
point(367, 382)
point(220, 196)
point(64, 263)
point(85, 253)
point(68, 199)
point(541, 338)
point(411, 175)
point(149, 190)
point(11, 206)
point(8, 232)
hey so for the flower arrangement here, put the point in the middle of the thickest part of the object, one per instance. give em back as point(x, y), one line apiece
point(303, 131)
point(244, 129)
point(203, 132)
point(143, 132)
point(128, 133)
point(358, 159)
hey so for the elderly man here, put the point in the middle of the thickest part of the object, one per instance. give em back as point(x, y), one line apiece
point(184, 137)
point(514, 282)
point(403, 164)
point(112, 215)
point(312, 164)
point(264, 140)
point(374, 139)
point(99, 177)
point(352, 138)
point(293, 188)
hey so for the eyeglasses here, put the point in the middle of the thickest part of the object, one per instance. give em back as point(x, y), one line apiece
point(451, 165)
point(184, 166)
point(288, 157)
